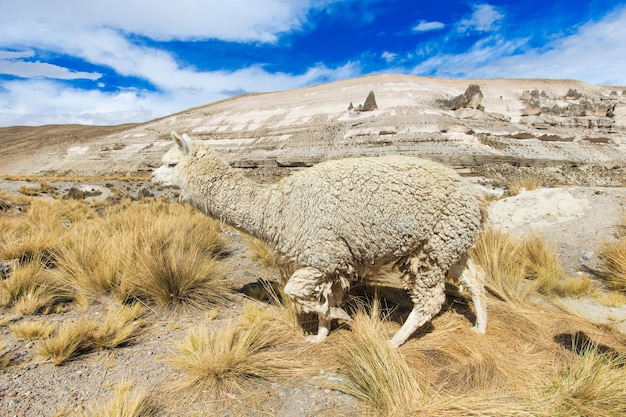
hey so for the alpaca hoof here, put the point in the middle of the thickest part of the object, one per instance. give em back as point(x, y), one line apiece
point(478, 330)
point(317, 338)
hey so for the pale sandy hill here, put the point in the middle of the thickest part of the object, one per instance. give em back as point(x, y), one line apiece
point(307, 125)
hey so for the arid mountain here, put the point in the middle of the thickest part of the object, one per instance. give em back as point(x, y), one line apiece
point(524, 122)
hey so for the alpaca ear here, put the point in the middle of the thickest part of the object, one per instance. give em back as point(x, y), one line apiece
point(184, 143)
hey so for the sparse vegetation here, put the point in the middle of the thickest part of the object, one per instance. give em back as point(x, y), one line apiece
point(32, 330)
point(376, 373)
point(127, 401)
point(230, 358)
point(68, 341)
point(167, 255)
point(269, 259)
point(501, 257)
point(32, 289)
point(120, 327)
point(613, 253)
point(518, 267)
point(592, 385)
point(528, 184)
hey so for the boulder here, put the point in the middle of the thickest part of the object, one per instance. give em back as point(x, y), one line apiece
point(370, 102)
point(470, 99)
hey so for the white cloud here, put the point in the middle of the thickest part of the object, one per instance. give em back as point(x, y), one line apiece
point(27, 69)
point(98, 33)
point(388, 56)
point(595, 54)
point(424, 26)
point(16, 54)
point(484, 18)
point(236, 20)
point(186, 89)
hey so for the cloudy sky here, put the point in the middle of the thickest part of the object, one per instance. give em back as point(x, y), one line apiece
point(114, 61)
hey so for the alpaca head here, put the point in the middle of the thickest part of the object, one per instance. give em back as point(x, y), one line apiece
point(166, 174)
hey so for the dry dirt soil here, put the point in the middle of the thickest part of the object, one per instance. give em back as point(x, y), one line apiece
point(575, 219)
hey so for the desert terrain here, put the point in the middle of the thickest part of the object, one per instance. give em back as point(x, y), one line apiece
point(565, 137)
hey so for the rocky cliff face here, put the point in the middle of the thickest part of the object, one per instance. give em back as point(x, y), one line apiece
point(459, 122)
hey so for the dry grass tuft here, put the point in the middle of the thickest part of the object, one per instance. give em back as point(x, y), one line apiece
point(269, 259)
point(517, 268)
point(592, 385)
point(501, 256)
point(376, 373)
point(529, 184)
point(119, 328)
point(67, 342)
point(613, 268)
point(127, 401)
point(32, 330)
point(610, 299)
point(31, 289)
point(171, 276)
point(542, 266)
point(229, 359)
point(4, 360)
point(170, 256)
point(163, 253)
point(88, 259)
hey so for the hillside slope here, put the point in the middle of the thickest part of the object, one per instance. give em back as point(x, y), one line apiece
point(524, 122)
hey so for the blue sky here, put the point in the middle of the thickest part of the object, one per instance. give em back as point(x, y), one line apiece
point(111, 62)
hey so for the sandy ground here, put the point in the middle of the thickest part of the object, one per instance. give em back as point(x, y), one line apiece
point(576, 219)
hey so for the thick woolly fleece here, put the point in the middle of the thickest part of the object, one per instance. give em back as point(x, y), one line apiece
point(343, 216)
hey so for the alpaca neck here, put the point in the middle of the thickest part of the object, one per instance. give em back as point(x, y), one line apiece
point(222, 193)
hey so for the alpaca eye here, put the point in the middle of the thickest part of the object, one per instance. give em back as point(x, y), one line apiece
point(172, 164)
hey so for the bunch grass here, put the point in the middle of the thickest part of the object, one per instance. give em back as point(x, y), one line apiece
point(127, 401)
point(613, 268)
point(120, 327)
point(68, 341)
point(32, 330)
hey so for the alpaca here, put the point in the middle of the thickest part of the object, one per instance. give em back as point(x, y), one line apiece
point(340, 220)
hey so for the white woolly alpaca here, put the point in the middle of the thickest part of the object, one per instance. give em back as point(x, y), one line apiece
point(341, 219)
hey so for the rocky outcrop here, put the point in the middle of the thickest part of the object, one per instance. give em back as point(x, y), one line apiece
point(470, 99)
point(370, 102)
point(369, 105)
point(572, 110)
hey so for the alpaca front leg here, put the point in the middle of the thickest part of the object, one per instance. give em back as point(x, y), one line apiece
point(310, 292)
point(322, 330)
point(415, 320)
point(427, 301)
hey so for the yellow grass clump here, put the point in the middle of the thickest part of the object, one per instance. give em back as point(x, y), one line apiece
point(376, 373)
point(31, 288)
point(593, 384)
point(257, 347)
point(517, 268)
point(269, 259)
point(32, 330)
point(127, 401)
point(67, 342)
point(529, 184)
point(501, 257)
point(166, 254)
point(120, 327)
point(613, 268)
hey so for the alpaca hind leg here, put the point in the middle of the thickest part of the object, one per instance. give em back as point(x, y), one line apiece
point(427, 302)
point(471, 276)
